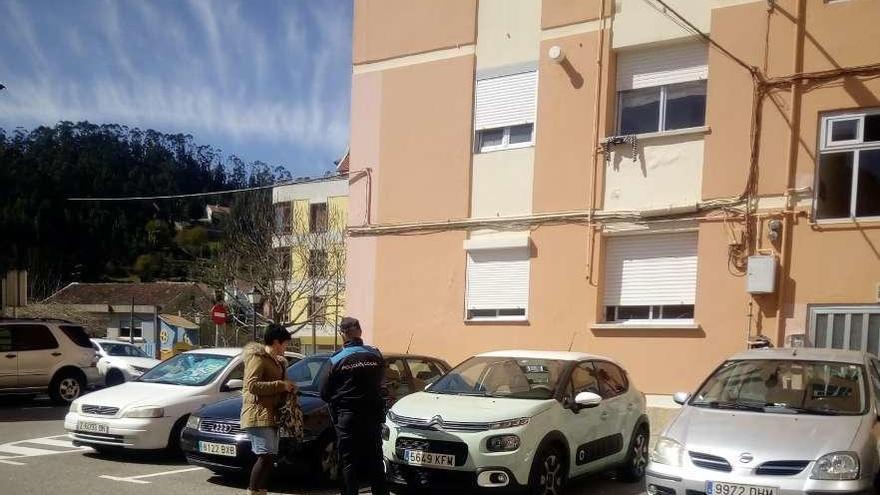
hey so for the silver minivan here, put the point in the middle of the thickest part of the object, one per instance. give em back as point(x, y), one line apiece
point(775, 422)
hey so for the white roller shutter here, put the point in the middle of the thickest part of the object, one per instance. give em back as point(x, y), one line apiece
point(656, 269)
point(506, 100)
point(498, 279)
point(664, 65)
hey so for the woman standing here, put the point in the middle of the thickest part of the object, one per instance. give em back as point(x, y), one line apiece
point(265, 389)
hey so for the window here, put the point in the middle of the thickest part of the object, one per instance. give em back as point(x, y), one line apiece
point(846, 327)
point(505, 110)
point(517, 136)
point(32, 338)
point(612, 380)
point(5, 339)
point(424, 371)
point(77, 334)
point(317, 310)
point(662, 89)
point(282, 218)
point(583, 379)
point(651, 278)
point(396, 379)
point(282, 260)
point(318, 217)
point(497, 284)
point(125, 333)
point(848, 176)
point(317, 263)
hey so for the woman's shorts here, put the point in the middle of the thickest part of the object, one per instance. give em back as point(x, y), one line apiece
point(264, 440)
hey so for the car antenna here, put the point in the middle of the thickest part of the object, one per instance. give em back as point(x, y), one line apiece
point(571, 344)
point(411, 335)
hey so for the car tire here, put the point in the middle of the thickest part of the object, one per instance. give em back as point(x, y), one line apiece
point(114, 377)
point(327, 459)
point(636, 463)
point(549, 473)
point(173, 446)
point(66, 387)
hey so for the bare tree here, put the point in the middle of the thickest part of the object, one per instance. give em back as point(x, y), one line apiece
point(296, 259)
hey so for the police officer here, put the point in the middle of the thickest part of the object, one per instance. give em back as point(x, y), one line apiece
point(354, 389)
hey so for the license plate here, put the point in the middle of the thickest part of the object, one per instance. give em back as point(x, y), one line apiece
point(92, 427)
point(722, 488)
point(421, 458)
point(226, 449)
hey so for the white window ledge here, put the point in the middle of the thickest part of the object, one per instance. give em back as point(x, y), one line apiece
point(677, 132)
point(665, 325)
point(857, 221)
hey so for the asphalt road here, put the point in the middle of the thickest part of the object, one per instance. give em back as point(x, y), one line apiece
point(36, 457)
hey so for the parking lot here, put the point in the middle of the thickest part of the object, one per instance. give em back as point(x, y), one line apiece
point(37, 457)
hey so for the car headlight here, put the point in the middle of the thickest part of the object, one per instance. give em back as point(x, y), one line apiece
point(509, 423)
point(193, 422)
point(502, 443)
point(145, 412)
point(668, 451)
point(836, 466)
point(74, 407)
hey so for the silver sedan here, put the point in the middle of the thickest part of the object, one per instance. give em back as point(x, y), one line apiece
point(775, 422)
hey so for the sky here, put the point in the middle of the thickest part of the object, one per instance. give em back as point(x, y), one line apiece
point(264, 79)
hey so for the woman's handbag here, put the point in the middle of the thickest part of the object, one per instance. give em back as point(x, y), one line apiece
point(290, 417)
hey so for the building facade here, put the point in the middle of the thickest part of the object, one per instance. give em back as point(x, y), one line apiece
point(311, 216)
point(657, 181)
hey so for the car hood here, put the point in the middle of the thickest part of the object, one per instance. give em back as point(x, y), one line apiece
point(766, 436)
point(230, 409)
point(464, 408)
point(131, 394)
point(140, 362)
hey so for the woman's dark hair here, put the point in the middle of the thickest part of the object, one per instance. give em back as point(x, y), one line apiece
point(276, 332)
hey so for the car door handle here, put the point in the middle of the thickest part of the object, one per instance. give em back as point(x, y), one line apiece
point(56, 354)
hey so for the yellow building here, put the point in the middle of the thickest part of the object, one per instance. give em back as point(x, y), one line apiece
point(311, 219)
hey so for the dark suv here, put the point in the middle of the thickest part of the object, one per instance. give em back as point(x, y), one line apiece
point(40, 355)
point(213, 437)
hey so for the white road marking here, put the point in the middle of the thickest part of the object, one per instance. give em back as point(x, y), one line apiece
point(138, 479)
point(14, 450)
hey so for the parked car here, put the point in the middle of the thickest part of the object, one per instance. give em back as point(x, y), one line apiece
point(150, 412)
point(41, 355)
point(121, 362)
point(213, 437)
point(520, 421)
point(774, 422)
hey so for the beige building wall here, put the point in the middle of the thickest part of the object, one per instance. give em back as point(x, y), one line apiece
point(502, 183)
point(508, 32)
point(667, 171)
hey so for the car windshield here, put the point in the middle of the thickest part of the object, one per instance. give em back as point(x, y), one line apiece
point(516, 378)
point(308, 373)
point(192, 369)
point(786, 387)
point(123, 350)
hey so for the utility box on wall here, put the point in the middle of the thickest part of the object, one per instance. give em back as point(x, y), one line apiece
point(761, 275)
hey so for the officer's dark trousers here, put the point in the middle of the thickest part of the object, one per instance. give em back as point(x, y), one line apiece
point(360, 450)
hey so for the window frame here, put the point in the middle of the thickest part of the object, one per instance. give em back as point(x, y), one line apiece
point(316, 226)
point(505, 139)
point(318, 319)
point(652, 309)
point(854, 146)
point(865, 311)
point(318, 263)
point(661, 124)
point(139, 331)
point(600, 380)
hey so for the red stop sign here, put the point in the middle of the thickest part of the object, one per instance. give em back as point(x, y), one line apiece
point(218, 314)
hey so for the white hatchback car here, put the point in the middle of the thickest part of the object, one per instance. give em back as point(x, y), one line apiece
point(121, 362)
point(150, 412)
point(518, 420)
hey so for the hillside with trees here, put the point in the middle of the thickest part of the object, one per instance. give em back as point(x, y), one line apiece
point(60, 241)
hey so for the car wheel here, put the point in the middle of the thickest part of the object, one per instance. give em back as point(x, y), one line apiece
point(174, 437)
point(115, 377)
point(327, 459)
point(66, 388)
point(549, 472)
point(636, 462)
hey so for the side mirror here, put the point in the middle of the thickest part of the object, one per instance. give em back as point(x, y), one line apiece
point(587, 400)
point(232, 385)
point(681, 398)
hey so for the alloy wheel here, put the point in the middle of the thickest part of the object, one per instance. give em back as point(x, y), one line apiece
point(69, 389)
point(551, 475)
point(640, 454)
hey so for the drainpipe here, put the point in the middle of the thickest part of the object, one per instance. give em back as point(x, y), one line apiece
point(794, 115)
point(593, 172)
